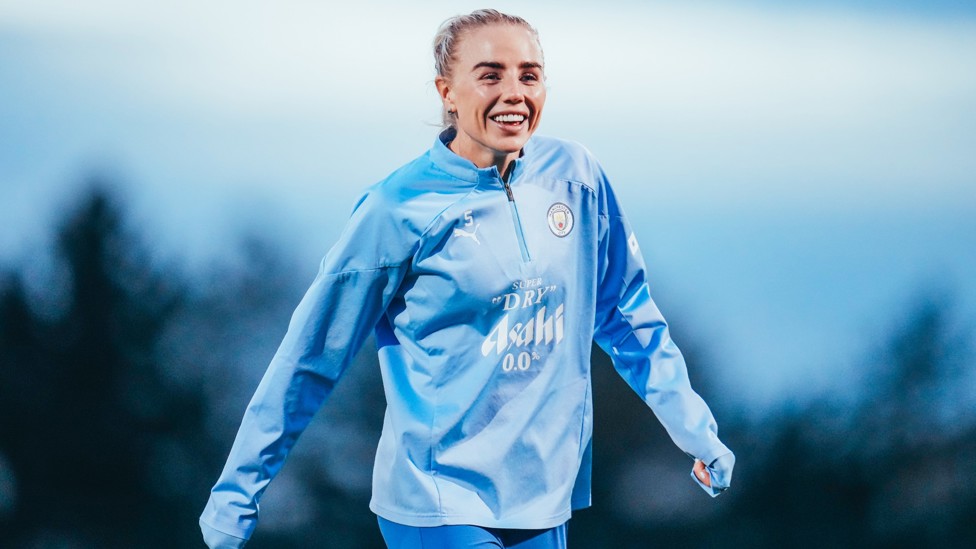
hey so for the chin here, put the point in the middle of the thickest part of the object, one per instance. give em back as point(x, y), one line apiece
point(511, 145)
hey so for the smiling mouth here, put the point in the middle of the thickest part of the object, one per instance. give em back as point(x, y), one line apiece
point(510, 120)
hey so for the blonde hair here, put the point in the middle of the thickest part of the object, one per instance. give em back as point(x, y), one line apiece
point(449, 35)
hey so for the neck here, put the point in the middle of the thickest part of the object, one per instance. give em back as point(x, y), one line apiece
point(505, 163)
point(482, 157)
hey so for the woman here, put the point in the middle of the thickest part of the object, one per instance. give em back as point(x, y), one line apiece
point(486, 267)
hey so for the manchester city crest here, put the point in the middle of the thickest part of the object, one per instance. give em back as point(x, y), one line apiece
point(560, 219)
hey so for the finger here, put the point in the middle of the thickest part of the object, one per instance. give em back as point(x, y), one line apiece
point(702, 473)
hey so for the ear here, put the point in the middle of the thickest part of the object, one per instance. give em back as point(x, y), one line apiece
point(446, 91)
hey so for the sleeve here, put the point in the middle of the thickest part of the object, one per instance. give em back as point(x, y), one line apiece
point(354, 286)
point(631, 330)
point(215, 539)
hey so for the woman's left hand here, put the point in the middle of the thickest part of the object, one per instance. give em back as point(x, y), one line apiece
point(716, 477)
point(701, 473)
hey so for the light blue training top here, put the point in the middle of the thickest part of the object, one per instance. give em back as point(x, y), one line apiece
point(485, 297)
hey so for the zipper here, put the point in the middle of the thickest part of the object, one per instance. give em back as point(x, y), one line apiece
point(518, 223)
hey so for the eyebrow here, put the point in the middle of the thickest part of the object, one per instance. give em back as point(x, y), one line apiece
point(497, 65)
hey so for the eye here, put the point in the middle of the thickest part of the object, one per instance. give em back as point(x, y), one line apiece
point(490, 76)
point(530, 77)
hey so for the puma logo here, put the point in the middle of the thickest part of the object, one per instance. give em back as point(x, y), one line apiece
point(469, 234)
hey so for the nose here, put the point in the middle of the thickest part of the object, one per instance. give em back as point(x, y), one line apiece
point(513, 92)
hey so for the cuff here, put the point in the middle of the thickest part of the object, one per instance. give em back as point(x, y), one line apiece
point(720, 474)
point(215, 539)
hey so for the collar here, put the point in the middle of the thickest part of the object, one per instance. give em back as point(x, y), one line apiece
point(465, 170)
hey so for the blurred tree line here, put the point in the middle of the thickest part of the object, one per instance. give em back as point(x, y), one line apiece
point(123, 379)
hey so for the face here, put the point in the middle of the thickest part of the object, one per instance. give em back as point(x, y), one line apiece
point(498, 91)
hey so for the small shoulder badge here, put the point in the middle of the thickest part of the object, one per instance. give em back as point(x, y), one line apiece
point(560, 219)
point(632, 244)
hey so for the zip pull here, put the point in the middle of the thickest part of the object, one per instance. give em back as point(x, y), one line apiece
point(508, 191)
point(507, 177)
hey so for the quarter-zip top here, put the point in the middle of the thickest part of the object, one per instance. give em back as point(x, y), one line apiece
point(485, 360)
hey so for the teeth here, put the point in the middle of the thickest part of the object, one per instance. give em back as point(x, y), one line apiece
point(508, 118)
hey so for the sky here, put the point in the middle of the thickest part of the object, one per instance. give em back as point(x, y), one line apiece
point(798, 173)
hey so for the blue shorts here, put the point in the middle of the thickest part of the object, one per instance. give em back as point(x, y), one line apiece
point(463, 536)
